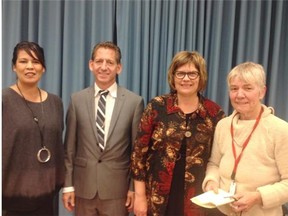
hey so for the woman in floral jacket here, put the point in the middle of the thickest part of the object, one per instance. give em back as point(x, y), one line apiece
point(174, 142)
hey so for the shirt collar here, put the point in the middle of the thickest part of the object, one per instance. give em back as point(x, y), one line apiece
point(112, 90)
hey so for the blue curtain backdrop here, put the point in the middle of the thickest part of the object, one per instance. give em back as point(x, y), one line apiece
point(149, 33)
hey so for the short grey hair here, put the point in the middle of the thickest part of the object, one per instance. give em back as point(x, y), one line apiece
point(248, 72)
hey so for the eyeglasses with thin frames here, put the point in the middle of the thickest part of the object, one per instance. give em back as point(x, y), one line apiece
point(191, 74)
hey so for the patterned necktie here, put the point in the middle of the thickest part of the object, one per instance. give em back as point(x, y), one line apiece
point(100, 119)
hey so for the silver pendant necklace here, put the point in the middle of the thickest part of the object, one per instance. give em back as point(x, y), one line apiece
point(43, 155)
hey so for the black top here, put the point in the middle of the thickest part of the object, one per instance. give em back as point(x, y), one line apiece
point(175, 206)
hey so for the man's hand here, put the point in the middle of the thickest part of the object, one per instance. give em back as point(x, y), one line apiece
point(130, 201)
point(68, 200)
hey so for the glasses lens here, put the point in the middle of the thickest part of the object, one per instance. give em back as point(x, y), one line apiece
point(180, 74)
point(191, 75)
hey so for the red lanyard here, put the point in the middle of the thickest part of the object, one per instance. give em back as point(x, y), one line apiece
point(237, 159)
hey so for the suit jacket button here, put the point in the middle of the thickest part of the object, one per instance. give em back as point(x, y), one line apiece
point(99, 161)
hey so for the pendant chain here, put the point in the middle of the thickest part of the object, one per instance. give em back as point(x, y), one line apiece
point(33, 115)
point(43, 151)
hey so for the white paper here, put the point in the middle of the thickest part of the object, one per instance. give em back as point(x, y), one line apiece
point(210, 199)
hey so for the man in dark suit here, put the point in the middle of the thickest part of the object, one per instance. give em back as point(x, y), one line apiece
point(97, 174)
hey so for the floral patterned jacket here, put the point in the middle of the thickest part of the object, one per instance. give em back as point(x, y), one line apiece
point(160, 134)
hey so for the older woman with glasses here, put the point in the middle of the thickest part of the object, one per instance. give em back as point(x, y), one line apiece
point(174, 141)
point(250, 149)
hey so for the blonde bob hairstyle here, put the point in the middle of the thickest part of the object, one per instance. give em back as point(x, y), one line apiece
point(248, 72)
point(185, 57)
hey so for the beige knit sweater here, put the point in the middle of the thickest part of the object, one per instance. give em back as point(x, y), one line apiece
point(263, 166)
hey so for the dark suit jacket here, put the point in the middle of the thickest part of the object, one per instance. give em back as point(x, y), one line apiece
point(88, 169)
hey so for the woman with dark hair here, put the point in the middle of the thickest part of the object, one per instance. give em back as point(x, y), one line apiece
point(174, 142)
point(32, 126)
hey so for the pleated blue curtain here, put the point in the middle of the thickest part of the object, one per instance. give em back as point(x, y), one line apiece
point(226, 33)
point(149, 33)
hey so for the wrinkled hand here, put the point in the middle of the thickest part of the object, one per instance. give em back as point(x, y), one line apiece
point(246, 200)
point(68, 200)
point(130, 201)
point(140, 205)
point(211, 185)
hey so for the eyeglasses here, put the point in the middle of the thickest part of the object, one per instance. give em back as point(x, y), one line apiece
point(191, 75)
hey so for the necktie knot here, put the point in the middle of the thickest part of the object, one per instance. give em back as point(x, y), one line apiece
point(103, 92)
